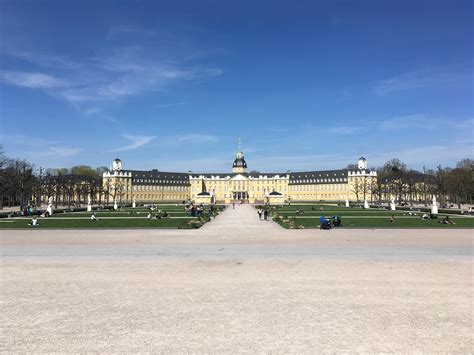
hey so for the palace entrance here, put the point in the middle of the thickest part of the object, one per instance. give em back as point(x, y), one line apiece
point(241, 195)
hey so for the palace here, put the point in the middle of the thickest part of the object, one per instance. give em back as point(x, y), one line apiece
point(254, 187)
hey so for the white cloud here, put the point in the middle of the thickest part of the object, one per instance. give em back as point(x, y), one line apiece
point(112, 76)
point(42, 59)
point(38, 146)
point(28, 141)
point(32, 80)
point(92, 111)
point(128, 72)
point(424, 121)
point(63, 152)
point(344, 130)
point(194, 138)
point(407, 122)
point(137, 142)
point(427, 77)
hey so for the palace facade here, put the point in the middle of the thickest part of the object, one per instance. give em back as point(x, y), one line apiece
point(125, 186)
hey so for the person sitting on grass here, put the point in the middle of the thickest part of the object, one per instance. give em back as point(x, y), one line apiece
point(336, 221)
point(325, 224)
point(149, 216)
point(93, 217)
point(447, 220)
point(34, 222)
point(425, 216)
point(392, 219)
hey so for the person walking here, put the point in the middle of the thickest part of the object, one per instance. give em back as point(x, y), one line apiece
point(265, 214)
point(260, 213)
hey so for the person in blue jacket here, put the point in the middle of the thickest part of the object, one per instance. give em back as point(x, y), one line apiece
point(325, 224)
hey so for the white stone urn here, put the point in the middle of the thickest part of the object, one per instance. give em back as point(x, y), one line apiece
point(89, 203)
point(434, 206)
point(49, 209)
point(366, 204)
point(392, 205)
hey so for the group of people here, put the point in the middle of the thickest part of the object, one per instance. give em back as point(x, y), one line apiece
point(263, 212)
point(29, 210)
point(197, 210)
point(158, 214)
point(334, 221)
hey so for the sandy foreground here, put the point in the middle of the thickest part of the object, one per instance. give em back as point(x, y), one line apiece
point(237, 285)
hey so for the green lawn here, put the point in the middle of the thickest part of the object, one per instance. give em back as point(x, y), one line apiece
point(111, 219)
point(361, 218)
point(99, 214)
point(101, 223)
point(409, 222)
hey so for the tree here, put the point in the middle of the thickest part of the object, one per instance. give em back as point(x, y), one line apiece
point(395, 165)
point(100, 170)
point(460, 181)
point(84, 170)
point(16, 182)
point(395, 171)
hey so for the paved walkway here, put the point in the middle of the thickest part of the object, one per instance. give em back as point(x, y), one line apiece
point(241, 220)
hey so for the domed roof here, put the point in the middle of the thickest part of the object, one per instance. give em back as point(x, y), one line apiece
point(117, 160)
point(239, 161)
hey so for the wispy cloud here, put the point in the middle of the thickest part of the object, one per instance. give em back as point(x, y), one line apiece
point(408, 122)
point(195, 138)
point(119, 31)
point(37, 146)
point(112, 76)
point(424, 78)
point(41, 59)
point(136, 142)
point(26, 141)
point(344, 130)
point(426, 122)
point(32, 80)
point(63, 152)
point(126, 73)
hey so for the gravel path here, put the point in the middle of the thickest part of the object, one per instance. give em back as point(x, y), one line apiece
point(237, 285)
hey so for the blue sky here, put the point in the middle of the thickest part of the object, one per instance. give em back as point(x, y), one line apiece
point(173, 85)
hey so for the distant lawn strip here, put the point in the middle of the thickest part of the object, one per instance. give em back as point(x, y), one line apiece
point(314, 210)
point(114, 214)
point(347, 212)
point(74, 223)
point(112, 219)
point(403, 222)
point(104, 217)
point(356, 217)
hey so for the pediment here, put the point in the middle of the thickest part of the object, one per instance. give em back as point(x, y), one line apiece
point(239, 177)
